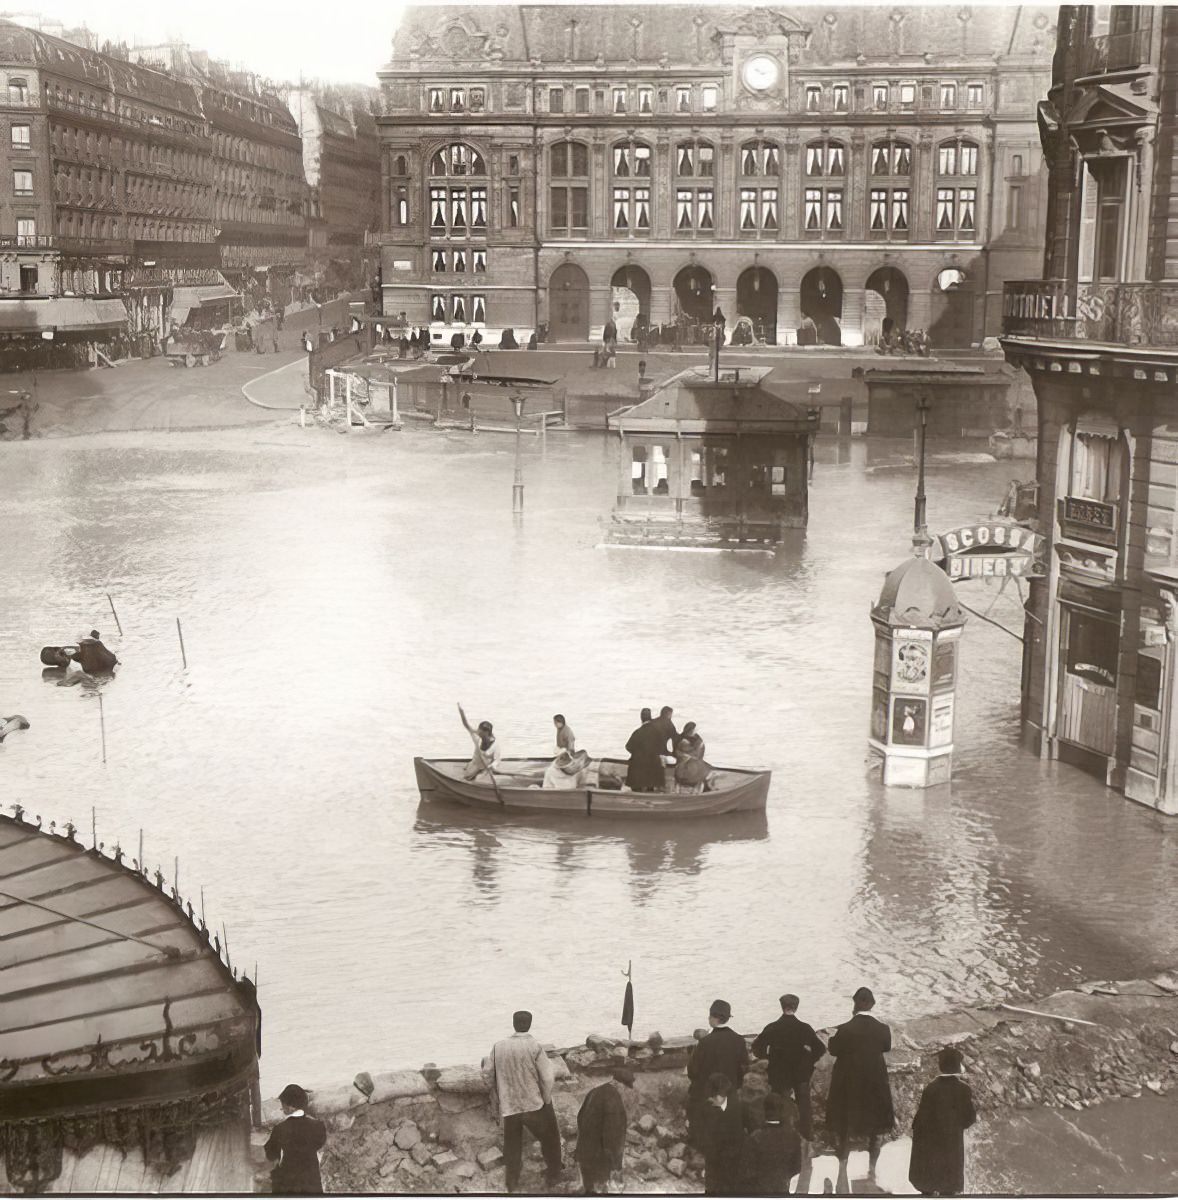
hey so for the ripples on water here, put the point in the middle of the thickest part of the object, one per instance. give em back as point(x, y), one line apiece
point(340, 595)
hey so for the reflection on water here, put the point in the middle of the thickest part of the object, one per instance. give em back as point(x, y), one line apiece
point(340, 595)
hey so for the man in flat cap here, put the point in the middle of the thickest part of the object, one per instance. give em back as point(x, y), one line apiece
point(946, 1111)
point(601, 1134)
point(520, 1076)
point(859, 1103)
point(722, 1051)
point(792, 1049)
point(294, 1146)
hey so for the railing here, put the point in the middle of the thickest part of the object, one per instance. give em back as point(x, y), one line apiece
point(1114, 52)
point(156, 127)
point(93, 245)
point(1130, 314)
point(29, 241)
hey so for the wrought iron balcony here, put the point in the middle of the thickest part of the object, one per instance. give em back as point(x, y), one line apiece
point(1128, 314)
point(1114, 52)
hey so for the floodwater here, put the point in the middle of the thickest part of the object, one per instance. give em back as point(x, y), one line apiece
point(340, 595)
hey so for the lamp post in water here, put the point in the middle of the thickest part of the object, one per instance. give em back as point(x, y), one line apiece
point(920, 537)
point(517, 488)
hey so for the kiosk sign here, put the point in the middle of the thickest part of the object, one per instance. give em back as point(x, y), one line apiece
point(993, 548)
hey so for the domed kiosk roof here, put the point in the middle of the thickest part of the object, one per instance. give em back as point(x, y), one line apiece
point(918, 594)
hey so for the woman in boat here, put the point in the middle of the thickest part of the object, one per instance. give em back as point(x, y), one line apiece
point(486, 757)
point(565, 738)
point(691, 771)
point(565, 771)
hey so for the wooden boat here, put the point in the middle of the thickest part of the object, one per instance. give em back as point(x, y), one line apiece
point(128, 1046)
point(517, 788)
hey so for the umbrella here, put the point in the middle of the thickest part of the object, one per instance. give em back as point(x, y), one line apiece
point(628, 1001)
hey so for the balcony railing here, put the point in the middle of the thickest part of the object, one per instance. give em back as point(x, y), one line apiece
point(1129, 314)
point(28, 241)
point(1114, 52)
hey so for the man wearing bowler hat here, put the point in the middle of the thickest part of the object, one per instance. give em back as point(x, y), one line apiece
point(723, 1052)
point(859, 1103)
point(294, 1145)
point(792, 1049)
point(519, 1076)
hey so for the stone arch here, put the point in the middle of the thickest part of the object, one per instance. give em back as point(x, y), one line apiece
point(756, 306)
point(885, 299)
point(695, 290)
point(630, 292)
point(821, 298)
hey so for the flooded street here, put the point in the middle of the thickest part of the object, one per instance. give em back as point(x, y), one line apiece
point(339, 596)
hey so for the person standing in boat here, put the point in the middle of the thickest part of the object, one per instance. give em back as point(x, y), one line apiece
point(294, 1147)
point(565, 738)
point(486, 757)
point(645, 746)
point(691, 772)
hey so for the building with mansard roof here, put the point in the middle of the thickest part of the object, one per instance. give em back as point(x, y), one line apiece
point(814, 171)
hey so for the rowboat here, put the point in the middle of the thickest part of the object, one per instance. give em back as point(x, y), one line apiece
point(516, 787)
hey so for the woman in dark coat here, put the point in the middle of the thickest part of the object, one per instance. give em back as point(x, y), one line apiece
point(859, 1103)
point(295, 1144)
point(937, 1166)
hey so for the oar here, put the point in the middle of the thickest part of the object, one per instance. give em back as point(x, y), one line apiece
point(495, 785)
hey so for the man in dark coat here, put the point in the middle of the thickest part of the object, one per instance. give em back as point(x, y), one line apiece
point(294, 1145)
point(773, 1153)
point(720, 1052)
point(722, 1128)
point(946, 1111)
point(601, 1134)
point(792, 1049)
point(859, 1103)
point(645, 772)
point(667, 733)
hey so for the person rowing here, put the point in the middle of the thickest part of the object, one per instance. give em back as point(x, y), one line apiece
point(486, 758)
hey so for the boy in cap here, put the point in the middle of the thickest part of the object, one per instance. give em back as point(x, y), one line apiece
point(946, 1111)
point(519, 1076)
point(294, 1145)
point(722, 1051)
point(601, 1134)
point(792, 1049)
point(859, 1103)
point(722, 1125)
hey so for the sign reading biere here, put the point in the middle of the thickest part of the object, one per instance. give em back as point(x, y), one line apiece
point(992, 548)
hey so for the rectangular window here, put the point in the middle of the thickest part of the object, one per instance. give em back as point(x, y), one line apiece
point(769, 209)
point(902, 160)
point(622, 208)
point(513, 164)
point(969, 160)
point(841, 94)
point(703, 208)
point(683, 99)
point(579, 209)
point(479, 260)
point(975, 95)
point(966, 204)
point(581, 101)
point(22, 183)
point(646, 101)
point(1016, 164)
point(706, 160)
point(513, 207)
point(900, 210)
point(834, 160)
point(813, 218)
point(439, 257)
point(18, 91)
point(402, 207)
point(478, 207)
point(21, 137)
point(642, 162)
point(556, 100)
point(437, 307)
point(478, 309)
point(877, 212)
point(460, 262)
point(458, 309)
point(834, 210)
point(28, 279)
point(26, 231)
point(947, 160)
point(642, 210)
point(814, 160)
point(1014, 207)
point(777, 481)
point(683, 210)
point(907, 95)
point(711, 98)
point(457, 100)
point(458, 208)
point(478, 99)
point(879, 95)
point(437, 101)
point(748, 210)
point(813, 97)
point(559, 209)
point(622, 160)
point(437, 210)
point(619, 100)
point(948, 95)
point(945, 198)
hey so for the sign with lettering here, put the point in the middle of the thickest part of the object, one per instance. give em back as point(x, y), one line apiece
point(1090, 512)
point(988, 549)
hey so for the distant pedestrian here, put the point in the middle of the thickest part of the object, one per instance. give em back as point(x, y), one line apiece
point(723, 1052)
point(859, 1103)
point(792, 1048)
point(773, 1153)
point(722, 1125)
point(946, 1111)
point(601, 1135)
point(519, 1076)
point(279, 317)
point(274, 339)
point(294, 1146)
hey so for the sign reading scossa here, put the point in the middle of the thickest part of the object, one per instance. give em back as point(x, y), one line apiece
point(993, 548)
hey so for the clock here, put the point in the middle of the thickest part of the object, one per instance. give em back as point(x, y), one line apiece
point(760, 72)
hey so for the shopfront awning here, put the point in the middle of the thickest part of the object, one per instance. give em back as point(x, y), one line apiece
point(68, 314)
point(205, 293)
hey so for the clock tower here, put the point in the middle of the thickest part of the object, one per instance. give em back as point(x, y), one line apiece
point(756, 47)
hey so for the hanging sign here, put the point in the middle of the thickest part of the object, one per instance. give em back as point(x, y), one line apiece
point(992, 548)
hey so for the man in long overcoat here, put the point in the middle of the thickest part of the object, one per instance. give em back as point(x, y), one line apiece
point(723, 1052)
point(646, 745)
point(946, 1111)
point(859, 1103)
point(601, 1133)
point(792, 1048)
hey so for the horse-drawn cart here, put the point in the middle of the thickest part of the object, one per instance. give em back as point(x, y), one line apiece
point(195, 348)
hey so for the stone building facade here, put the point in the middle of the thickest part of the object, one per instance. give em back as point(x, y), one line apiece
point(557, 166)
point(1098, 335)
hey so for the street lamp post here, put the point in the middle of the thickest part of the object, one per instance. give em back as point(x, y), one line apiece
point(517, 488)
point(920, 537)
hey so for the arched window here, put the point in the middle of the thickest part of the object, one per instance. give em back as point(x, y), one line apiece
point(958, 157)
point(826, 158)
point(760, 159)
point(568, 192)
point(631, 160)
point(400, 165)
point(891, 158)
point(695, 160)
point(457, 159)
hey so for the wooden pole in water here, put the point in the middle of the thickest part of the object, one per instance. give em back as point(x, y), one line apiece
point(180, 632)
point(114, 614)
point(202, 906)
point(142, 864)
point(102, 727)
point(176, 877)
point(93, 826)
point(225, 936)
